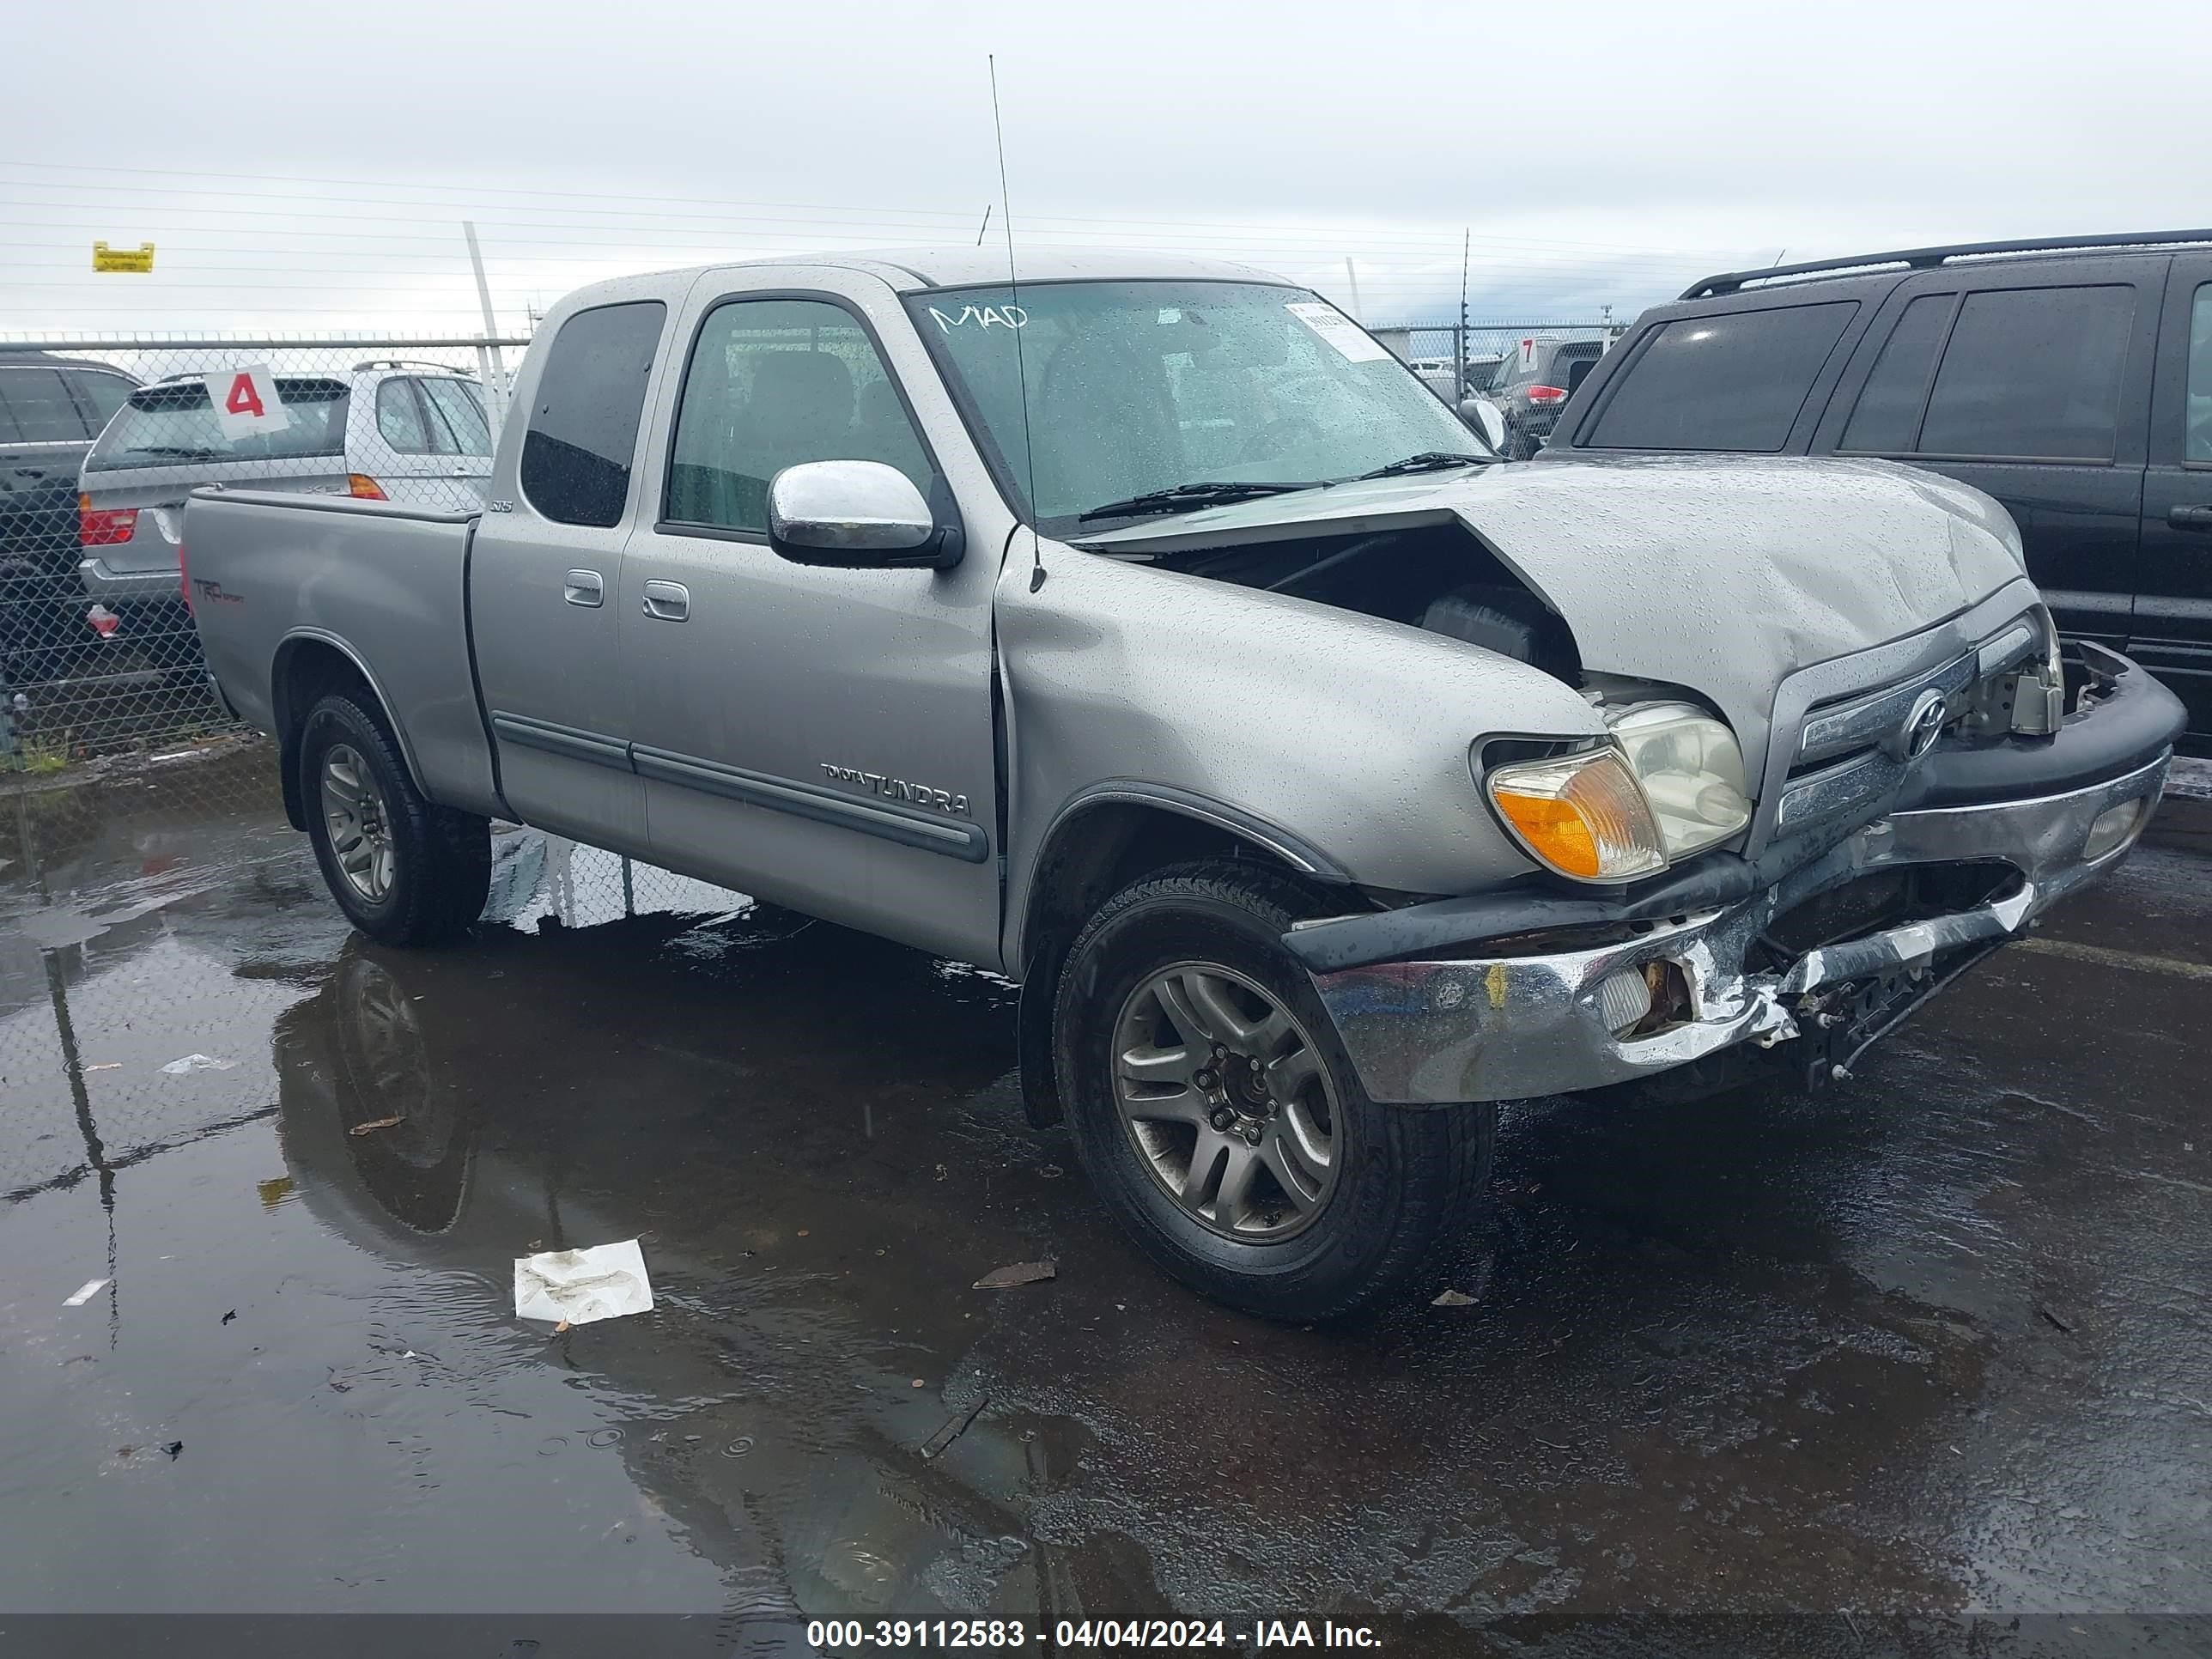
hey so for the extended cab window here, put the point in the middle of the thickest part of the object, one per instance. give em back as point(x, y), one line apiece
point(1736, 381)
point(577, 454)
point(2032, 373)
point(2197, 439)
point(773, 383)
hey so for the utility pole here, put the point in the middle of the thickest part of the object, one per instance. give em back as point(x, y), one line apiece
point(1352, 276)
point(497, 377)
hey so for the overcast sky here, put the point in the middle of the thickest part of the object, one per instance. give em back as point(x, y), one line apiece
point(307, 167)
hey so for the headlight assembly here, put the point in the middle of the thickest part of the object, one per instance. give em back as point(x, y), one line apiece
point(1671, 784)
point(1691, 771)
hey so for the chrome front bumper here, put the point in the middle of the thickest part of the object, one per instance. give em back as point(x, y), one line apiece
point(1509, 1027)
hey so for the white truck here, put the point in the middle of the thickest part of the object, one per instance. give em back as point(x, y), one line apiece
point(1148, 633)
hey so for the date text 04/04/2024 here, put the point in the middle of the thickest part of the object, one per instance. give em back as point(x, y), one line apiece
point(1087, 1633)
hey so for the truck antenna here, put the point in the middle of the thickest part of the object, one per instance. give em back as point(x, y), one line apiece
point(1459, 368)
point(1014, 287)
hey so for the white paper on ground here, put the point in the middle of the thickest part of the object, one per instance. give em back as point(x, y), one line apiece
point(86, 1291)
point(197, 1063)
point(604, 1282)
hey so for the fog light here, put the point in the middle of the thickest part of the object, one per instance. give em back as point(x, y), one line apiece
point(2114, 828)
point(1623, 999)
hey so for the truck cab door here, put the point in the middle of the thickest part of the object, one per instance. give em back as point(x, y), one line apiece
point(2172, 634)
point(824, 739)
point(545, 569)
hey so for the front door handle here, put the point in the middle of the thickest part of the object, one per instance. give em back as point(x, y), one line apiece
point(584, 587)
point(2190, 518)
point(669, 601)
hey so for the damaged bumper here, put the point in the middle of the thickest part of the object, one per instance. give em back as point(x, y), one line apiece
point(1516, 1019)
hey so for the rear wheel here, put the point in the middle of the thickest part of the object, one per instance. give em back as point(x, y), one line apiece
point(404, 870)
point(1222, 1122)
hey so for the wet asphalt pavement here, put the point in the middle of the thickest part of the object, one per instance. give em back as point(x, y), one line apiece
point(1936, 1345)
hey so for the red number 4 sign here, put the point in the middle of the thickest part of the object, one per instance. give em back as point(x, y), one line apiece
point(248, 401)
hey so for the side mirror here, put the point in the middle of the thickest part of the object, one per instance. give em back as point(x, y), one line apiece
point(1482, 415)
point(855, 515)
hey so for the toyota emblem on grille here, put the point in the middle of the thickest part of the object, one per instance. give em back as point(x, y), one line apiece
point(1918, 735)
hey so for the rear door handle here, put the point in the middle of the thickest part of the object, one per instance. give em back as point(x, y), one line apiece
point(2190, 518)
point(584, 587)
point(669, 601)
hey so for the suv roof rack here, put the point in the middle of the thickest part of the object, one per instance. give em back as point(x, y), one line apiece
point(1928, 258)
point(411, 363)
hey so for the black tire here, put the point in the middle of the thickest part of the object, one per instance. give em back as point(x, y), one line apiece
point(440, 858)
point(1407, 1179)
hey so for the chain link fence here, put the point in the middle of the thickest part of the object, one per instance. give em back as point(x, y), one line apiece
point(1458, 359)
point(102, 438)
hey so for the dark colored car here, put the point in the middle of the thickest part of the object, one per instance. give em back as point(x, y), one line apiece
point(51, 408)
point(1531, 385)
point(2071, 380)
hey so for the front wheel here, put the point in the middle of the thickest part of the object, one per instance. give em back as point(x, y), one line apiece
point(404, 870)
point(1220, 1120)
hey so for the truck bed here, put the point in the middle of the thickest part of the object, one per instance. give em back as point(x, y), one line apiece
point(271, 575)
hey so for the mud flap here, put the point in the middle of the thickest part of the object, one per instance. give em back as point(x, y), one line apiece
point(1033, 1044)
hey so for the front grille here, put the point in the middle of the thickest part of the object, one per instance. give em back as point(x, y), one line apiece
point(1851, 751)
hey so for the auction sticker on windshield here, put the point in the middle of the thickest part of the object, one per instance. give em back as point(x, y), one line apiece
point(1339, 329)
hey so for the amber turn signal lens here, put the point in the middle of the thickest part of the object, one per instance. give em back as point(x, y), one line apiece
point(1581, 815)
point(366, 488)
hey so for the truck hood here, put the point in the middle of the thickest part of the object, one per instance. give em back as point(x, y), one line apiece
point(1720, 573)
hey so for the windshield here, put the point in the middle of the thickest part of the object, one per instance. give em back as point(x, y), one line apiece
point(1140, 386)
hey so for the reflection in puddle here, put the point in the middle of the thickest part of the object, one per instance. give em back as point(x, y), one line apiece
point(765, 1102)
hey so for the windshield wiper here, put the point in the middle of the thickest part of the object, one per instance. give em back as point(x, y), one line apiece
point(1181, 497)
point(174, 453)
point(1429, 461)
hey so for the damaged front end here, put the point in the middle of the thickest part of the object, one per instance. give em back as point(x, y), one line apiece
point(1812, 952)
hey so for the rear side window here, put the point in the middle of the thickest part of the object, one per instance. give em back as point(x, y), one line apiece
point(576, 456)
point(1732, 381)
point(98, 393)
point(35, 408)
point(175, 425)
point(399, 418)
point(2032, 373)
point(2198, 434)
point(1888, 417)
point(1574, 368)
point(457, 413)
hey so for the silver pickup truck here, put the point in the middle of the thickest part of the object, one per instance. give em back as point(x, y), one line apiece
point(1147, 632)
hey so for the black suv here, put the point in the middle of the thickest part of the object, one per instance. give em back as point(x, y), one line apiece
point(2071, 380)
point(1532, 384)
point(51, 409)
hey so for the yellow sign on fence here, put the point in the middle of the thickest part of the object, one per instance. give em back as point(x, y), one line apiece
point(139, 259)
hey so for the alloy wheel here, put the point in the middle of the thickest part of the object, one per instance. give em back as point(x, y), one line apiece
point(360, 825)
point(1225, 1098)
